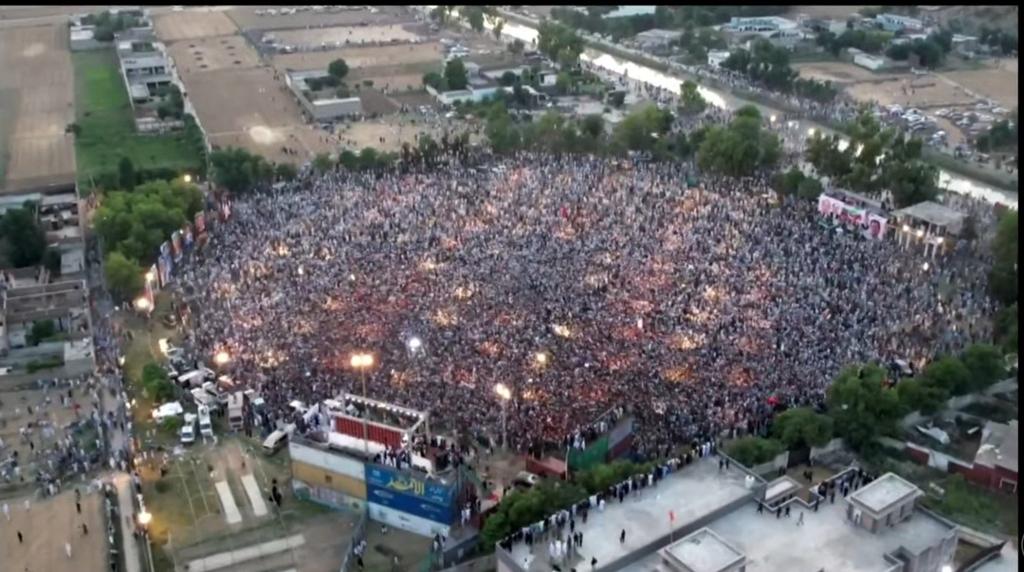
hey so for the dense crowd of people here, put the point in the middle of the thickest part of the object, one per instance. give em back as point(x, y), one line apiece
point(580, 283)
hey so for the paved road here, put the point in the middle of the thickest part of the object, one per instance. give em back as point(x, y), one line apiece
point(126, 508)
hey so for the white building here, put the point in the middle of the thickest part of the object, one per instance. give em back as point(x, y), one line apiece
point(716, 57)
point(82, 38)
point(895, 22)
point(657, 39)
point(322, 109)
point(764, 25)
point(868, 61)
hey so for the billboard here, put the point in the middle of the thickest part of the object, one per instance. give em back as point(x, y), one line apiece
point(187, 235)
point(164, 264)
point(593, 455)
point(871, 225)
point(412, 494)
point(200, 223)
point(176, 245)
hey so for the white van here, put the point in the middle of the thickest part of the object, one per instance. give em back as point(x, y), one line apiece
point(188, 430)
point(275, 441)
point(205, 425)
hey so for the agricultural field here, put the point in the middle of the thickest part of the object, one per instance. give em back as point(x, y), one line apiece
point(107, 127)
point(212, 54)
point(36, 107)
point(363, 57)
point(191, 25)
point(247, 18)
point(347, 35)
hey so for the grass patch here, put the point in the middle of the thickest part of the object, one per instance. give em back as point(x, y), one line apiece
point(973, 506)
point(107, 127)
point(44, 363)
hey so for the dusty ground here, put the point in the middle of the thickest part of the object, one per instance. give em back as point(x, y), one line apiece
point(37, 78)
point(210, 54)
point(14, 415)
point(999, 82)
point(25, 12)
point(360, 57)
point(841, 72)
point(46, 527)
point(824, 11)
point(190, 25)
point(249, 108)
point(341, 35)
point(395, 129)
point(246, 19)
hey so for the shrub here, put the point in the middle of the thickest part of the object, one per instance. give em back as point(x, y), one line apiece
point(750, 451)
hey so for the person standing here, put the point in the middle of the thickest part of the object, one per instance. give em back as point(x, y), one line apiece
point(67, 549)
point(800, 519)
point(622, 536)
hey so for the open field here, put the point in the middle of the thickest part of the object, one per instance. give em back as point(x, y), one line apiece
point(108, 128)
point(210, 54)
point(360, 57)
point(36, 102)
point(844, 73)
point(191, 25)
point(395, 129)
point(251, 109)
point(47, 526)
point(239, 99)
point(998, 83)
point(247, 19)
point(26, 12)
point(347, 35)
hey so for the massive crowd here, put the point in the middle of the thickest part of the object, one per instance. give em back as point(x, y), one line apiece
point(579, 283)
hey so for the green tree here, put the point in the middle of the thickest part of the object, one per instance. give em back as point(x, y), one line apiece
point(40, 331)
point(136, 223)
point(918, 395)
point(126, 174)
point(52, 260)
point(1003, 276)
point(338, 69)
point(1006, 328)
point(801, 427)
point(156, 383)
point(285, 172)
point(910, 182)
point(593, 126)
point(559, 43)
point(789, 182)
point(861, 405)
point(322, 163)
point(810, 189)
point(948, 374)
point(239, 171)
point(740, 149)
point(691, 101)
point(24, 239)
point(750, 451)
point(124, 277)
point(455, 74)
point(984, 364)
point(642, 128)
point(563, 83)
point(516, 47)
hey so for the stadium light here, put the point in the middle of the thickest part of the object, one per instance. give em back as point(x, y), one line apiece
point(221, 358)
point(906, 228)
point(920, 233)
point(145, 518)
point(810, 132)
point(541, 358)
point(187, 178)
point(149, 276)
point(414, 344)
point(143, 304)
point(361, 360)
point(503, 391)
point(924, 267)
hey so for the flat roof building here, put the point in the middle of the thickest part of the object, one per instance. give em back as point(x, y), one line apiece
point(703, 551)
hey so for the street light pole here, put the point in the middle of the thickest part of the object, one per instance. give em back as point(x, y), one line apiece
point(505, 394)
point(362, 362)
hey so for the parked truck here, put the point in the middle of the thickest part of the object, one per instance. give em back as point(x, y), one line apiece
point(236, 410)
point(205, 424)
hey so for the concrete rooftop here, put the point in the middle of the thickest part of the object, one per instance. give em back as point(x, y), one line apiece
point(704, 551)
point(690, 493)
point(884, 492)
point(825, 541)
